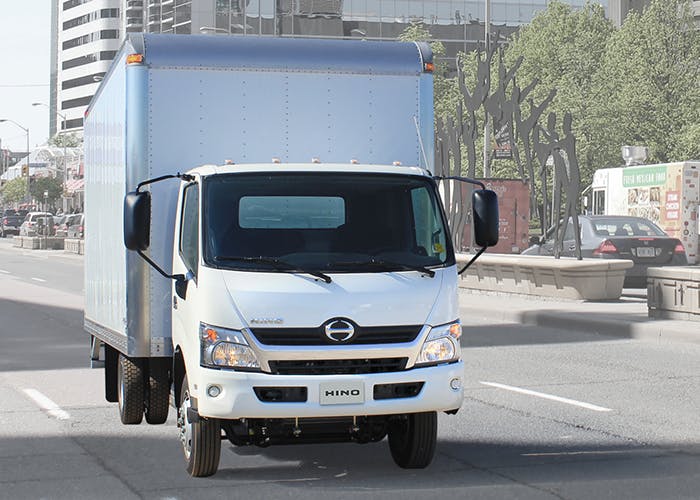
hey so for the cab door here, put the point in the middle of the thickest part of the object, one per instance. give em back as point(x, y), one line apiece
point(186, 257)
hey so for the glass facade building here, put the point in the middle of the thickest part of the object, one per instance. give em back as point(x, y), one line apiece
point(87, 33)
point(457, 23)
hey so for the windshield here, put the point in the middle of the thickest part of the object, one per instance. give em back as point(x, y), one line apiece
point(626, 227)
point(339, 222)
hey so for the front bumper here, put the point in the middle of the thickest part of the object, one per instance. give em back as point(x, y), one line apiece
point(238, 399)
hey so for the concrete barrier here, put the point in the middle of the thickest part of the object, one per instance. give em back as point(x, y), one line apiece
point(674, 293)
point(38, 242)
point(587, 279)
point(73, 245)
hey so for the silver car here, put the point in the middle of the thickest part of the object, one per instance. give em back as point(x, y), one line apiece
point(37, 224)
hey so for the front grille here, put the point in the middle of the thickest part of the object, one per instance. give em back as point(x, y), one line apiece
point(337, 366)
point(317, 336)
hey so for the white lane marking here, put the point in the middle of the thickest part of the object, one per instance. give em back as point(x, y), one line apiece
point(4, 272)
point(575, 453)
point(39, 280)
point(542, 395)
point(46, 404)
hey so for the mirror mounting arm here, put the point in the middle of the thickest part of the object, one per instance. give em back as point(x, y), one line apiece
point(184, 177)
point(476, 256)
point(157, 268)
point(461, 179)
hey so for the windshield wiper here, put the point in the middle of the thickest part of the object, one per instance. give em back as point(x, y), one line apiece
point(387, 265)
point(278, 264)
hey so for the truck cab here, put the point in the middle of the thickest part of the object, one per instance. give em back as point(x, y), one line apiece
point(312, 303)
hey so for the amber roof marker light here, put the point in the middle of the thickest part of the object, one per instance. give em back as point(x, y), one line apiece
point(134, 59)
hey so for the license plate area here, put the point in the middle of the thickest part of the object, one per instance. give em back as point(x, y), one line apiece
point(645, 252)
point(341, 393)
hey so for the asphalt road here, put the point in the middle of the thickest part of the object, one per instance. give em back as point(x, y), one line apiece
point(547, 414)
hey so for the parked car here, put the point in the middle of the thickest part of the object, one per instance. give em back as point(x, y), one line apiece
point(10, 223)
point(619, 237)
point(59, 224)
point(37, 224)
point(76, 226)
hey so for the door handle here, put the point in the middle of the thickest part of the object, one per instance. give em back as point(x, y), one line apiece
point(174, 301)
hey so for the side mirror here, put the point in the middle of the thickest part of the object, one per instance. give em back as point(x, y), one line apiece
point(137, 220)
point(535, 240)
point(485, 208)
point(181, 287)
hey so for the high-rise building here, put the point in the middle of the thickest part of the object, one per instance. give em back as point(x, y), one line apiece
point(89, 32)
point(620, 8)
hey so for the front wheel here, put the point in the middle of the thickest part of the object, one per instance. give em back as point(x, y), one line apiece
point(412, 439)
point(201, 440)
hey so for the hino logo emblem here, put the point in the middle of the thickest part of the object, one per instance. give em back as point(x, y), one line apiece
point(342, 392)
point(339, 330)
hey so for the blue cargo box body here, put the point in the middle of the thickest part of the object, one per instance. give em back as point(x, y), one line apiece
point(203, 99)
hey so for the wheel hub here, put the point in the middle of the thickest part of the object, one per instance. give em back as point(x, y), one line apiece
point(185, 426)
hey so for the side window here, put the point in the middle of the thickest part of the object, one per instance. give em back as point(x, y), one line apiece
point(598, 202)
point(429, 232)
point(189, 228)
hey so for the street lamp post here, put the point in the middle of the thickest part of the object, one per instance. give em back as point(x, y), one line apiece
point(26, 131)
point(64, 162)
point(487, 138)
point(64, 174)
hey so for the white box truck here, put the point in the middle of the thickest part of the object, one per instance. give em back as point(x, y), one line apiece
point(305, 290)
point(665, 193)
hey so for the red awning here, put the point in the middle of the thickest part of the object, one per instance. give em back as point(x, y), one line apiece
point(75, 185)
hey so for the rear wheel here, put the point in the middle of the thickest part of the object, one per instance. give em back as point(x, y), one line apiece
point(130, 373)
point(412, 439)
point(157, 400)
point(201, 440)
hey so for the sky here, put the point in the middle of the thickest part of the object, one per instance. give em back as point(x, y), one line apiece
point(25, 44)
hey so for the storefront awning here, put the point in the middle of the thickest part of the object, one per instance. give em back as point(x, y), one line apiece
point(75, 185)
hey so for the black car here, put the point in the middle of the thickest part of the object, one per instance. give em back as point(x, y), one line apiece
point(619, 237)
point(10, 222)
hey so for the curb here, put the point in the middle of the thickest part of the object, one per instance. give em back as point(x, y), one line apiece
point(630, 321)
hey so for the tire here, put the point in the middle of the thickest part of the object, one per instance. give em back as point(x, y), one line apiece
point(130, 373)
point(111, 374)
point(201, 440)
point(158, 391)
point(412, 439)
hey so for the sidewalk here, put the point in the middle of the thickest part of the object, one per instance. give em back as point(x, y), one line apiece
point(625, 318)
point(7, 244)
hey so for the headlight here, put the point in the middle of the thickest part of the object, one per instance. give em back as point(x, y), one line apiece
point(225, 348)
point(441, 345)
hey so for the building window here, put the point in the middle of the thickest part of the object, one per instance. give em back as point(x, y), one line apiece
point(92, 16)
point(76, 103)
point(74, 3)
point(83, 80)
point(91, 37)
point(75, 123)
point(105, 55)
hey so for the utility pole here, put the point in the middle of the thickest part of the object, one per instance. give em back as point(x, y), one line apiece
point(487, 134)
point(26, 131)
